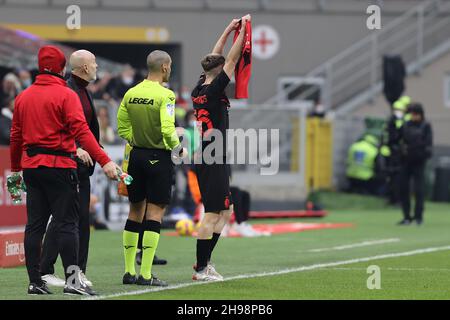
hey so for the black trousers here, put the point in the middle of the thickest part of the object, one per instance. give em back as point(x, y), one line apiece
point(51, 191)
point(416, 172)
point(394, 188)
point(394, 164)
point(50, 248)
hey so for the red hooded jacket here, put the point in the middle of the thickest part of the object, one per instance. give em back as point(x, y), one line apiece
point(49, 114)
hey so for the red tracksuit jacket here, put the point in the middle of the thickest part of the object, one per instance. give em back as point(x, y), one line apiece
point(49, 114)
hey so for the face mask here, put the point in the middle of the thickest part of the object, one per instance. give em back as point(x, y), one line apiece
point(398, 114)
point(127, 80)
point(192, 123)
point(26, 83)
point(186, 96)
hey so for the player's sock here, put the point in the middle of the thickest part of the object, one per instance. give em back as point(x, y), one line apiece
point(212, 243)
point(130, 240)
point(203, 252)
point(149, 244)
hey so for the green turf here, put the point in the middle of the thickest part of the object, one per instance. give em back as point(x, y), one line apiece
point(347, 201)
point(401, 278)
point(236, 256)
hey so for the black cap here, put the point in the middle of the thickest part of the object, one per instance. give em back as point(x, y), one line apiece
point(416, 108)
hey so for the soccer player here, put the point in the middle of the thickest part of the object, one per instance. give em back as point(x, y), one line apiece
point(146, 119)
point(211, 109)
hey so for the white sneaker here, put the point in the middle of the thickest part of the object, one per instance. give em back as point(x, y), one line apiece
point(53, 280)
point(246, 230)
point(206, 275)
point(85, 280)
point(212, 271)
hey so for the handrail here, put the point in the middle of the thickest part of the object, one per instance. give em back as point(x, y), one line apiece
point(335, 69)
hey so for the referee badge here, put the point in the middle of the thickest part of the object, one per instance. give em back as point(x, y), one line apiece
point(170, 109)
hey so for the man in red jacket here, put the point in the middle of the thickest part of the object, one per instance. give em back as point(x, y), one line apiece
point(47, 119)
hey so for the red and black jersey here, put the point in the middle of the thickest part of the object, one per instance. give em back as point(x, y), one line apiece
point(243, 68)
point(211, 107)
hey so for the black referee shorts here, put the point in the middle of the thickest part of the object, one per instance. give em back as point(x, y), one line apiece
point(153, 176)
point(214, 183)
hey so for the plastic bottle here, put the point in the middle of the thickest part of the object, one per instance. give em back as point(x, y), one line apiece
point(15, 185)
point(124, 177)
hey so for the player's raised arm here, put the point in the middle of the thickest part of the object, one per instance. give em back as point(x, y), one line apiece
point(235, 51)
point(220, 44)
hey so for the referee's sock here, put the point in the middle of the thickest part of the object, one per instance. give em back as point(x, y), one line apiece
point(212, 243)
point(130, 241)
point(150, 241)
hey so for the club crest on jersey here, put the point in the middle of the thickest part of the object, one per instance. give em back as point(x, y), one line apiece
point(227, 202)
point(200, 99)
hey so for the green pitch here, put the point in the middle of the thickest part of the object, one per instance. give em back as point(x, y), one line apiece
point(414, 261)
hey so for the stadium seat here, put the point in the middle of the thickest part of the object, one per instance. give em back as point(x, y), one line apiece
point(28, 2)
point(179, 4)
point(290, 5)
point(127, 4)
point(399, 6)
point(81, 3)
point(233, 4)
point(347, 5)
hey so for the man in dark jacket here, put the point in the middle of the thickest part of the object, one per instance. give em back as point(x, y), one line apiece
point(416, 148)
point(84, 70)
point(48, 118)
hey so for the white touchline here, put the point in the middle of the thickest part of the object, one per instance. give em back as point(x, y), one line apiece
point(275, 273)
point(396, 269)
point(356, 245)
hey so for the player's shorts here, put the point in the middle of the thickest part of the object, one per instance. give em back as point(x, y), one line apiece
point(153, 176)
point(214, 183)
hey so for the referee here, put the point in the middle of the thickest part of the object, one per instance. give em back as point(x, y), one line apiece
point(83, 70)
point(146, 119)
point(48, 117)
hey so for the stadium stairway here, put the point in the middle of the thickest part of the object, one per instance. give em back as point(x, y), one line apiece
point(353, 77)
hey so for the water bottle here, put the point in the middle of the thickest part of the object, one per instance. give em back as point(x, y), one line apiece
point(15, 185)
point(124, 177)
